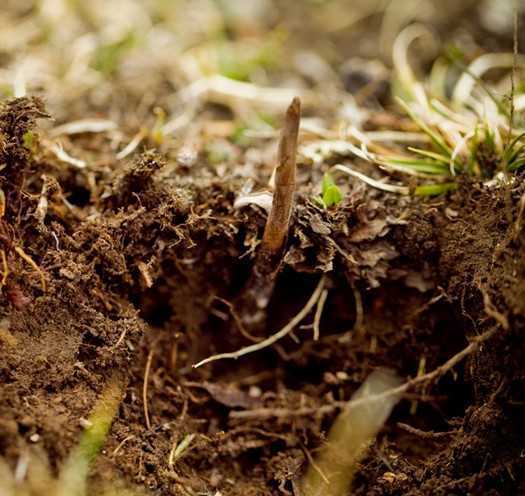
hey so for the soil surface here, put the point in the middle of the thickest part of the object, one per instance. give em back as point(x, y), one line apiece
point(138, 266)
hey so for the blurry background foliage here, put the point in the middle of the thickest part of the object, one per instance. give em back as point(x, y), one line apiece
point(66, 49)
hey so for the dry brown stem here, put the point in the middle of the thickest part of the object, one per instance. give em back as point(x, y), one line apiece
point(276, 229)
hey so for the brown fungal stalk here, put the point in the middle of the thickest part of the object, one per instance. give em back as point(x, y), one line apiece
point(256, 295)
point(276, 229)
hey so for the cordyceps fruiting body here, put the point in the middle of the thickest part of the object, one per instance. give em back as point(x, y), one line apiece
point(257, 292)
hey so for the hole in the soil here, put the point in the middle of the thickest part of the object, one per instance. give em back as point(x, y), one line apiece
point(154, 305)
point(251, 459)
point(291, 292)
point(79, 196)
point(437, 334)
point(90, 343)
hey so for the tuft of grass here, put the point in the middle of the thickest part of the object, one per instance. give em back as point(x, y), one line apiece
point(467, 129)
point(470, 133)
point(434, 189)
point(478, 153)
point(514, 155)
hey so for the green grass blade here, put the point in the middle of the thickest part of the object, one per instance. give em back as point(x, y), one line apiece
point(434, 156)
point(518, 164)
point(511, 151)
point(436, 139)
point(73, 477)
point(422, 166)
point(434, 189)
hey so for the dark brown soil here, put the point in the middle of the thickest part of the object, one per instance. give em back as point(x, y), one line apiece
point(137, 266)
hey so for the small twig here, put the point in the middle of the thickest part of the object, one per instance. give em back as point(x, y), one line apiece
point(359, 311)
point(145, 387)
point(238, 321)
point(120, 339)
point(255, 297)
point(319, 313)
point(274, 337)
point(314, 465)
point(276, 229)
point(178, 450)
point(492, 311)
point(121, 444)
point(132, 145)
point(33, 264)
point(5, 269)
point(425, 434)
point(403, 389)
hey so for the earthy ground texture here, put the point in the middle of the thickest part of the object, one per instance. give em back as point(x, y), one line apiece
point(129, 247)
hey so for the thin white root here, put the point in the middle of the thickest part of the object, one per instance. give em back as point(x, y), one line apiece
point(84, 126)
point(58, 150)
point(319, 314)
point(318, 151)
point(430, 376)
point(477, 68)
point(132, 145)
point(316, 295)
point(121, 444)
point(24, 256)
point(390, 188)
point(145, 387)
point(220, 89)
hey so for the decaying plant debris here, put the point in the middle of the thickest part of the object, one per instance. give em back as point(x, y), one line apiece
point(161, 210)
